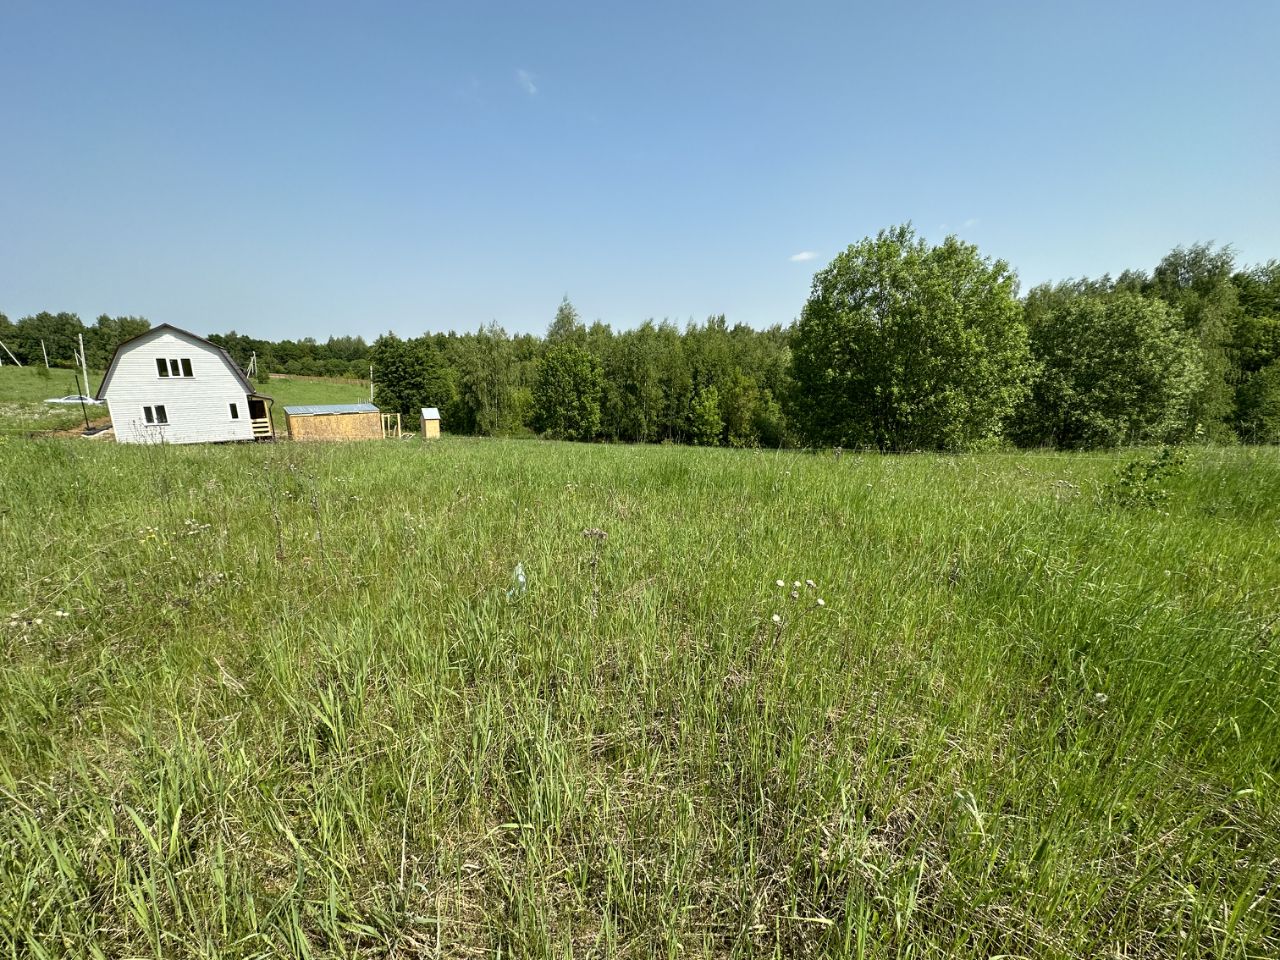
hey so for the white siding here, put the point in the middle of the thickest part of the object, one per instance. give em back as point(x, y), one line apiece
point(198, 407)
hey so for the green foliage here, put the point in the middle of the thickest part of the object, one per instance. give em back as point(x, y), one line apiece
point(59, 333)
point(566, 327)
point(1143, 481)
point(705, 423)
point(340, 357)
point(1258, 406)
point(1113, 368)
point(1196, 281)
point(399, 376)
point(107, 333)
point(634, 392)
point(567, 392)
point(490, 379)
point(770, 423)
point(439, 379)
point(904, 346)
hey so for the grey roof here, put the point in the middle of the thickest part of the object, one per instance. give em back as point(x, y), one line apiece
point(430, 413)
point(320, 409)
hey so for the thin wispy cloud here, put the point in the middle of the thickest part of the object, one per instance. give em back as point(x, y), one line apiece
point(802, 256)
point(971, 222)
point(526, 81)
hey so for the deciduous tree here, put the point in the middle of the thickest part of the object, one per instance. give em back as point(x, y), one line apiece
point(398, 376)
point(1113, 368)
point(906, 346)
point(567, 392)
point(1196, 281)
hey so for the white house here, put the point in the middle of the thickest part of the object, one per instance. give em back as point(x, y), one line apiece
point(170, 386)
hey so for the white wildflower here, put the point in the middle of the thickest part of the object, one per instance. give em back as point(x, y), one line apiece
point(776, 618)
point(821, 602)
point(778, 582)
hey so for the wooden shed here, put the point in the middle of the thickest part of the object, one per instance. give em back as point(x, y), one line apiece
point(430, 423)
point(334, 421)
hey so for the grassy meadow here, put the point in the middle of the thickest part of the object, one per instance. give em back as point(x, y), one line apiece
point(301, 390)
point(292, 701)
point(24, 390)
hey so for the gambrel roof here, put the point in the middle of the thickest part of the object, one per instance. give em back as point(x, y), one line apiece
point(185, 334)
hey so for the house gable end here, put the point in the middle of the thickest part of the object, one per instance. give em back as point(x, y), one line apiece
point(205, 346)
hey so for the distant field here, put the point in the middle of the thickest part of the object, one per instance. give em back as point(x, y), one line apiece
point(299, 390)
point(23, 391)
point(290, 700)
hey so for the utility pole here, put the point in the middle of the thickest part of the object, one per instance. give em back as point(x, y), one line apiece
point(83, 409)
point(10, 353)
point(45, 352)
point(83, 365)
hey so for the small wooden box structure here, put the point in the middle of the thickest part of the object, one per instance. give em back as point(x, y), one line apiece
point(334, 421)
point(430, 423)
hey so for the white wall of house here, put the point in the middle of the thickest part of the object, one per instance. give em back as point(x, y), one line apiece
point(198, 407)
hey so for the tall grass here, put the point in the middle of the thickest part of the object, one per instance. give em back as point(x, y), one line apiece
point(298, 705)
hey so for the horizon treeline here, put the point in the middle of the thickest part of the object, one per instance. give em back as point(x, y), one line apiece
point(901, 346)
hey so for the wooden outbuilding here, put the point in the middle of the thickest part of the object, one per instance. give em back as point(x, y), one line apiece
point(430, 423)
point(334, 421)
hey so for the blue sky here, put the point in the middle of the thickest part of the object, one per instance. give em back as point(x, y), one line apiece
point(295, 169)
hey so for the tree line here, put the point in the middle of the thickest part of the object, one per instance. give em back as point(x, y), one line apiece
point(906, 346)
point(58, 332)
point(56, 336)
point(708, 383)
point(902, 345)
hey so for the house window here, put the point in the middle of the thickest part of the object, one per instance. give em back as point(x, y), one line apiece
point(155, 415)
point(174, 367)
point(235, 412)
